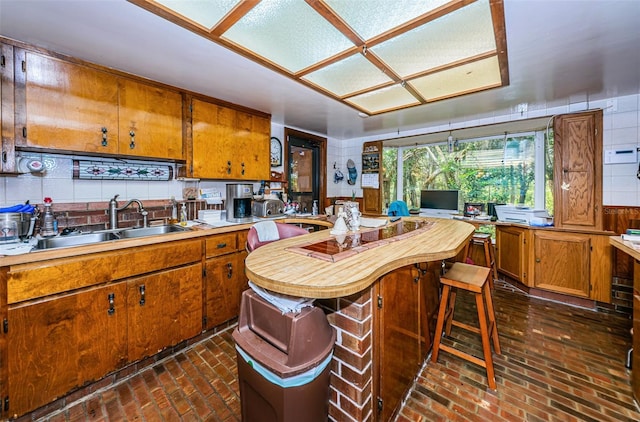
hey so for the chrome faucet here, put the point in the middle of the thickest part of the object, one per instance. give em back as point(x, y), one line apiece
point(113, 211)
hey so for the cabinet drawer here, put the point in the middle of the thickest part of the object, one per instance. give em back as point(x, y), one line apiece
point(30, 281)
point(221, 244)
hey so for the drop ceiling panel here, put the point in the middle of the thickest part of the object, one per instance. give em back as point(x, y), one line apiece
point(462, 34)
point(289, 33)
point(348, 76)
point(385, 99)
point(374, 17)
point(472, 77)
point(206, 13)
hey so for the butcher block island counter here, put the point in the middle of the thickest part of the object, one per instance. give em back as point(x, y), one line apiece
point(281, 268)
point(382, 300)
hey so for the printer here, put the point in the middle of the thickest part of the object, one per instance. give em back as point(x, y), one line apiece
point(524, 215)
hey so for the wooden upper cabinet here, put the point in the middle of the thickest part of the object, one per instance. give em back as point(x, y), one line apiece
point(7, 143)
point(228, 143)
point(65, 106)
point(71, 107)
point(578, 170)
point(150, 120)
point(372, 165)
point(256, 146)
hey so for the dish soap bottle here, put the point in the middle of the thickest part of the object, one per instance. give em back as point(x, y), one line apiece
point(48, 220)
point(183, 215)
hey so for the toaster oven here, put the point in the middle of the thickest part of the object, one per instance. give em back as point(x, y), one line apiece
point(267, 208)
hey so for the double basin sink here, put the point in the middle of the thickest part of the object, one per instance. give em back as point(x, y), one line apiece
point(103, 236)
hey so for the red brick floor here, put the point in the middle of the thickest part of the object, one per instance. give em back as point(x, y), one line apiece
point(558, 363)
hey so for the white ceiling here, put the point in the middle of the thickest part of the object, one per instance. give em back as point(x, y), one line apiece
point(559, 52)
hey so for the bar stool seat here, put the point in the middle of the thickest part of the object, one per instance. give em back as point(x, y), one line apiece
point(484, 239)
point(471, 278)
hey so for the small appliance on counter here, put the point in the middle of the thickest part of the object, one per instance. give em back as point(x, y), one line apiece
point(524, 215)
point(238, 202)
point(267, 208)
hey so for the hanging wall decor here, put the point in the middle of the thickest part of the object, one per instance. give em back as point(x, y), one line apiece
point(119, 170)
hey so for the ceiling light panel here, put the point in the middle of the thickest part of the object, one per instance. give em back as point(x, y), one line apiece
point(374, 17)
point(206, 13)
point(465, 33)
point(288, 33)
point(471, 77)
point(385, 99)
point(356, 51)
point(348, 76)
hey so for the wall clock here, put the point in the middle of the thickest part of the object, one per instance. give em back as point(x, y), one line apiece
point(276, 152)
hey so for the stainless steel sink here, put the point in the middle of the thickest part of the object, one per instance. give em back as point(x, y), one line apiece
point(75, 240)
point(151, 231)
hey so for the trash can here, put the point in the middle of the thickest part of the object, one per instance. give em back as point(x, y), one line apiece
point(283, 362)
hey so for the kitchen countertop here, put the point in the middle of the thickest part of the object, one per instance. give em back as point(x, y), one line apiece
point(276, 268)
point(196, 231)
point(618, 243)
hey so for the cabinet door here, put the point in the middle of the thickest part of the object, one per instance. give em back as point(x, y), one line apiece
point(511, 252)
point(254, 146)
point(635, 374)
point(212, 127)
point(150, 123)
point(164, 309)
point(67, 106)
point(224, 282)
point(399, 336)
point(372, 201)
point(229, 144)
point(64, 342)
point(562, 262)
point(578, 170)
point(7, 140)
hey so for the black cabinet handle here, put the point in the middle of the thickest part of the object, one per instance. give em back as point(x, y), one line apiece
point(142, 295)
point(104, 136)
point(132, 144)
point(112, 308)
point(229, 270)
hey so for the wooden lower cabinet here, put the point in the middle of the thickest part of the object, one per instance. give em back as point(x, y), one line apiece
point(635, 364)
point(225, 278)
point(512, 252)
point(562, 263)
point(224, 283)
point(71, 321)
point(572, 263)
point(59, 343)
point(164, 308)
point(406, 314)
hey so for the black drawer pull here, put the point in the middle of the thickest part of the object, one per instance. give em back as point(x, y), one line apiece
point(222, 245)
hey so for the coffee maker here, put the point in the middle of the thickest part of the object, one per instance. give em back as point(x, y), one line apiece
point(238, 202)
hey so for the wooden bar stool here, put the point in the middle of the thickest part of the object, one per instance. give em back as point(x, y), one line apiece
point(484, 239)
point(471, 278)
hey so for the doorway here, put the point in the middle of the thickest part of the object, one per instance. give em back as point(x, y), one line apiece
point(305, 161)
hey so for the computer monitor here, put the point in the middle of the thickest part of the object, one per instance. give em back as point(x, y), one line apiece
point(439, 203)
